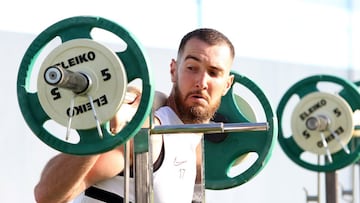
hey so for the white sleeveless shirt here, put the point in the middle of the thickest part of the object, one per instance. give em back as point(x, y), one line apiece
point(175, 179)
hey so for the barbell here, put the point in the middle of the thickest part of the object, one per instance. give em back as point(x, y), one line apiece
point(109, 71)
point(81, 84)
point(322, 124)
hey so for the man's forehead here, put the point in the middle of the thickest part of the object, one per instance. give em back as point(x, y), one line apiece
point(196, 45)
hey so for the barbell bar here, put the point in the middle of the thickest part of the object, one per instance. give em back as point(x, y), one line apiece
point(210, 128)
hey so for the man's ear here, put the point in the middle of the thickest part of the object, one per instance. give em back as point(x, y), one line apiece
point(229, 82)
point(173, 70)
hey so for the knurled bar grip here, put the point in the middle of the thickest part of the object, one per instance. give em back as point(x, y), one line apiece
point(60, 77)
point(210, 128)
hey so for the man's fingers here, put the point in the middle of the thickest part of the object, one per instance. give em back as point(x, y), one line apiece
point(122, 117)
point(129, 108)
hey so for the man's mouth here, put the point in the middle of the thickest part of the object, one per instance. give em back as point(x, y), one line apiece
point(198, 97)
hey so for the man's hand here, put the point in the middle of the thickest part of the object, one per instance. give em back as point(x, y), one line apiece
point(130, 106)
point(127, 109)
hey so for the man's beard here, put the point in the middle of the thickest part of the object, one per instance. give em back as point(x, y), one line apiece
point(195, 113)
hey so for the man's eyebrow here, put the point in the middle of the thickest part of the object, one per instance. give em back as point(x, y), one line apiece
point(197, 59)
point(217, 68)
point(192, 57)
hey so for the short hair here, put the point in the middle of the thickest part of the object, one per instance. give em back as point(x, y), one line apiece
point(207, 35)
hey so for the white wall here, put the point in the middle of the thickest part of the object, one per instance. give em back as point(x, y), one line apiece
point(23, 155)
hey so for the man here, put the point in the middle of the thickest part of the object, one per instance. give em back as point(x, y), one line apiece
point(200, 77)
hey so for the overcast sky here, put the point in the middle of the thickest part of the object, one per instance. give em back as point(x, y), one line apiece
point(301, 31)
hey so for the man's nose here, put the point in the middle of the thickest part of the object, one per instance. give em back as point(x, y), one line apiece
point(202, 80)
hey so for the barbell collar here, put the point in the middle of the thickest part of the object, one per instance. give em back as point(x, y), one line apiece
point(319, 123)
point(75, 81)
point(210, 128)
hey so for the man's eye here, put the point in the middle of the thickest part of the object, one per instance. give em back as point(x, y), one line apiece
point(192, 68)
point(213, 73)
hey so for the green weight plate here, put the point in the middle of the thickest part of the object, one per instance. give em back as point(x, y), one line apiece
point(220, 156)
point(349, 92)
point(136, 66)
point(355, 141)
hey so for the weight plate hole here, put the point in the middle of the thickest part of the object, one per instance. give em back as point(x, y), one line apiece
point(312, 158)
point(253, 112)
point(357, 123)
point(59, 131)
point(288, 111)
point(242, 163)
point(330, 87)
point(108, 39)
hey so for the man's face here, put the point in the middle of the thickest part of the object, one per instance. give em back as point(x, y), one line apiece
point(201, 78)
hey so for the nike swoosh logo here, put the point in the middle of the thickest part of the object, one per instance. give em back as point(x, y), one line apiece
point(178, 163)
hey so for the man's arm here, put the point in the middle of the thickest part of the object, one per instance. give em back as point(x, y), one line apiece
point(199, 163)
point(66, 176)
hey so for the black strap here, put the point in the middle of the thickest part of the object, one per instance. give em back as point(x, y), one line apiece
point(109, 197)
point(103, 195)
point(156, 165)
